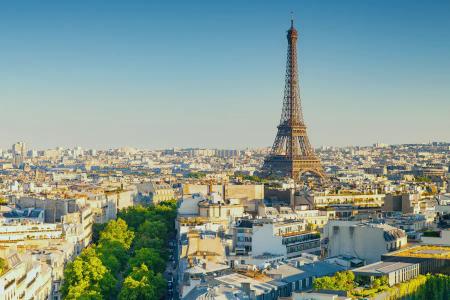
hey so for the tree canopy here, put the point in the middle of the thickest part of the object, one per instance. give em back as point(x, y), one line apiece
point(150, 258)
point(3, 265)
point(431, 287)
point(117, 231)
point(88, 277)
point(127, 258)
point(3, 201)
point(340, 281)
point(143, 284)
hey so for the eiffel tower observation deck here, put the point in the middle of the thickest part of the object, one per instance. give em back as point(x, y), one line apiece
point(292, 155)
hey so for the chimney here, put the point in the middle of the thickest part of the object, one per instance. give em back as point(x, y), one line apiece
point(210, 188)
point(246, 287)
point(292, 198)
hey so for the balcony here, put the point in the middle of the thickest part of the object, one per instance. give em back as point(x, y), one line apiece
point(300, 238)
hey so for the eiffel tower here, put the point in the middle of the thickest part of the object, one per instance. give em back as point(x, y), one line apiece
point(292, 154)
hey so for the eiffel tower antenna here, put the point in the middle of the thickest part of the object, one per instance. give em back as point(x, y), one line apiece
point(292, 154)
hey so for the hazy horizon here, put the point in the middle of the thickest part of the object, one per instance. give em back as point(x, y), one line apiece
point(30, 147)
point(151, 75)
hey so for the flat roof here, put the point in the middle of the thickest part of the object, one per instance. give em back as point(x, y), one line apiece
point(261, 287)
point(424, 251)
point(284, 270)
point(383, 267)
point(315, 269)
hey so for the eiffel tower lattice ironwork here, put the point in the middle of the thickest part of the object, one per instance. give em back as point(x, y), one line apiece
point(292, 154)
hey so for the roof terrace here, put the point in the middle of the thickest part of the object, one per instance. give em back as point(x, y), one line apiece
point(425, 251)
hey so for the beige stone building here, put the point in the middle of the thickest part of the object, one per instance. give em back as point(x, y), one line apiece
point(25, 278)
point(203, 247)
point(250, 195)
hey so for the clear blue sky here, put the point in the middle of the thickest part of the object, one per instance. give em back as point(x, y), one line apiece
point(156, 74)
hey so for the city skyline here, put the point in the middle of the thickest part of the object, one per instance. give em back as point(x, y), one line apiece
point(191, 150)
point(176, 75)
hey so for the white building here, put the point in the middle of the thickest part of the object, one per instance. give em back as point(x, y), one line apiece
point(15, 232)
point(56, 255)
point(25, 279)
point(104, 208)
point(316, 218)
point(395, 272)
point(19, 153)
point(365, 241)
point(254, 237)
point(189, 206)
point(323, 200)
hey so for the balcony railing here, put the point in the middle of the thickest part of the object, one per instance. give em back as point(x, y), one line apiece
point(301, 238)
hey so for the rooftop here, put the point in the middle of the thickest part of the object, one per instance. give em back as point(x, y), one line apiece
point(382, 267)
point(294, 233)
point(289, 273)
point(425, 251)
point(260, 285)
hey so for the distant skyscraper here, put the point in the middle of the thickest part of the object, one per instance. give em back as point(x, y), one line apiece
point(78, 151)
point(292, 154)
point(19, 153)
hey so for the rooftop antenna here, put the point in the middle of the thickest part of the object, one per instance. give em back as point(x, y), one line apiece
point(292, 19)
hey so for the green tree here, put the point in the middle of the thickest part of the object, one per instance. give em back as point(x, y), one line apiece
point(253, 178)
point(137, 241)
point(149, 257)
point(134, 215)
point(110, 261)
point(117, 231)
point(196, 175)
point(384, 281)
point(96, 229)
point(344, 281)
point(167, 211)
point(156, 244)
point(422, 179)
point(113, 255)
point(376, 283)
point(154, 229)
point(143, 284)
point(82, 290)
point(3, 266)
point(86, 276)
point(3, 201)
point(324, 283)
point(172, 204)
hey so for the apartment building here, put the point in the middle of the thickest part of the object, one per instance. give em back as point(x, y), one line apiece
point(155, 192)
point(25, 279)
point(290, 238)
point(315, 218)
point(366, 241)
point(395, 272)
point(323, 200)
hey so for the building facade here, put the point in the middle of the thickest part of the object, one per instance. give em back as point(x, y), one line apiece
point(290, 238)
point(365, 241)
